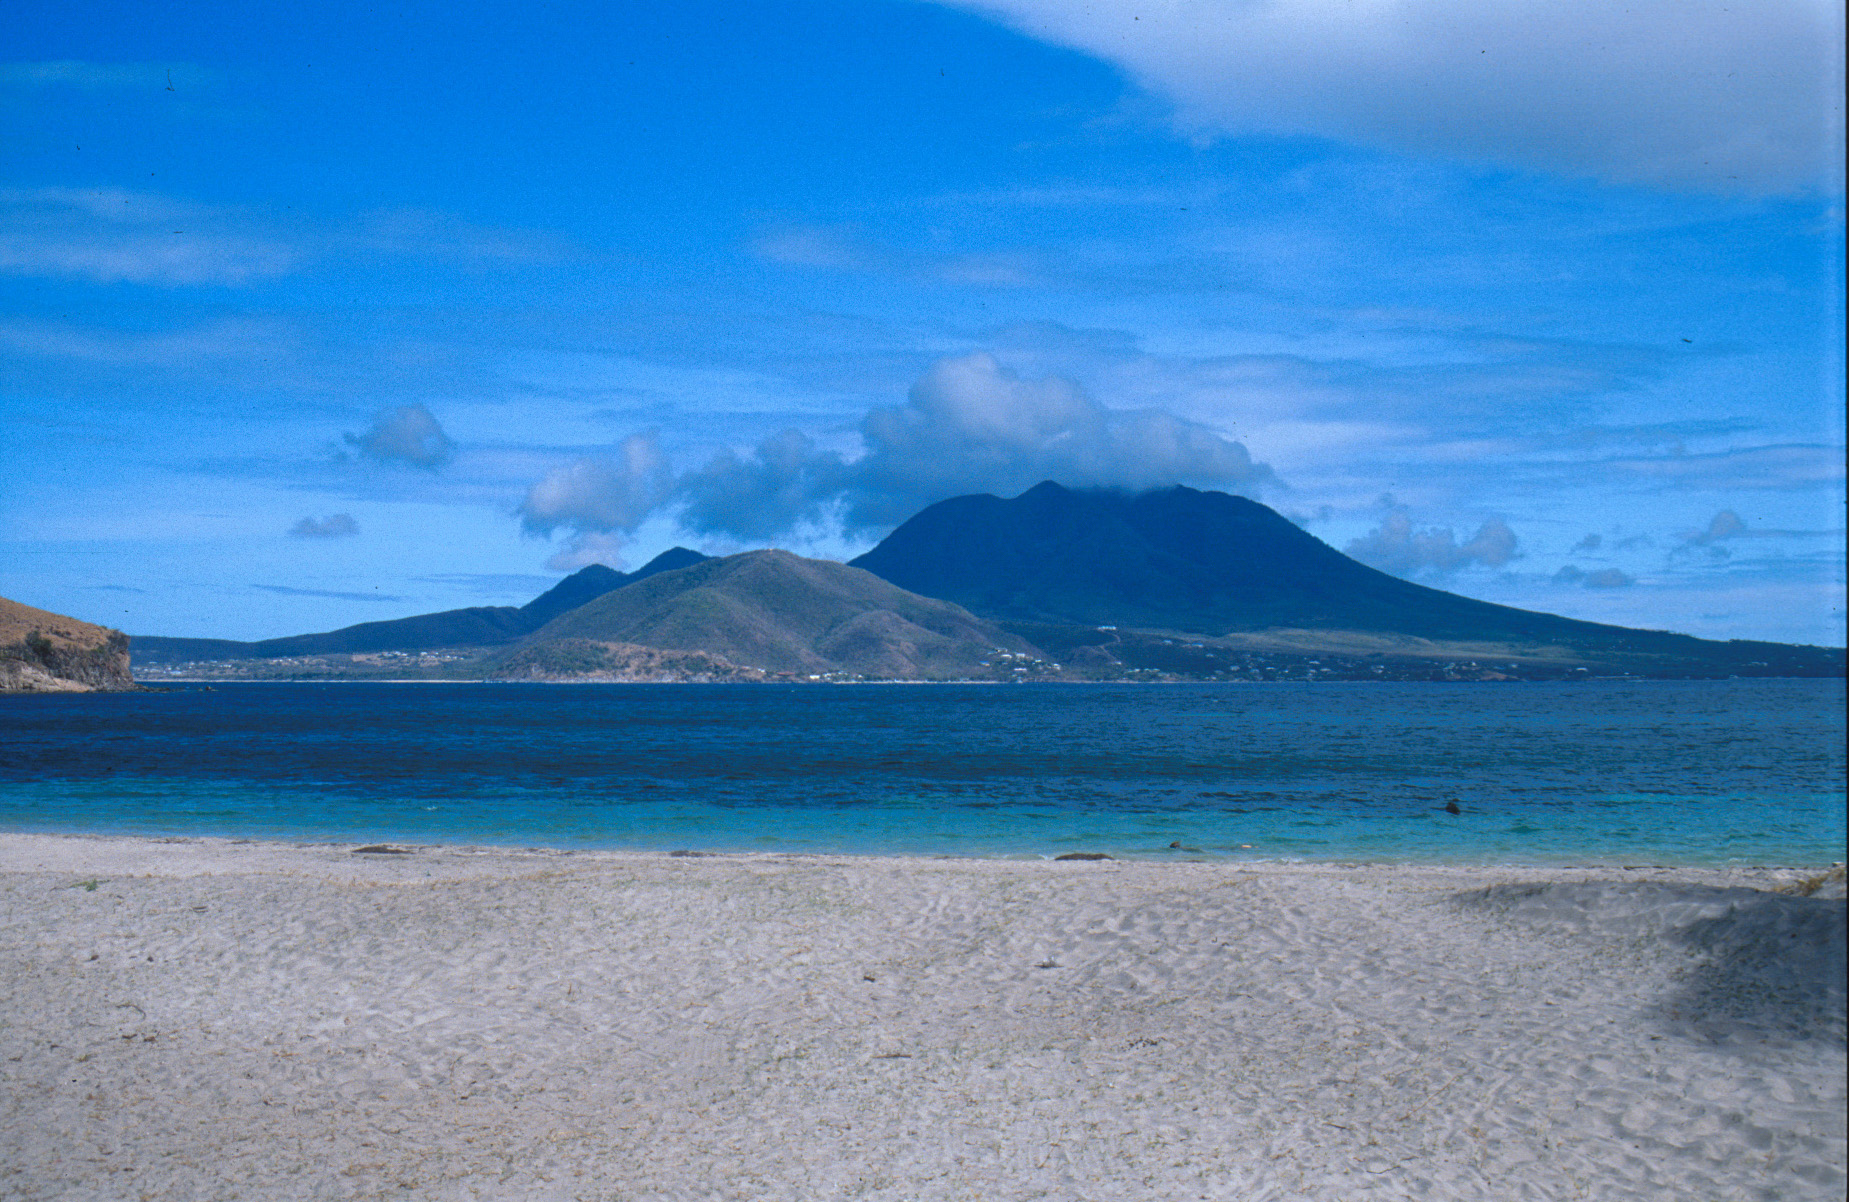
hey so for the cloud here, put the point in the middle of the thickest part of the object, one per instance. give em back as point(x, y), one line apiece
point(1722, 526)
point(408, 434)
point(969, 425)
point(335, 525)
point(94, 77)
point(782, 484)
point(1396, 546)
point(110, 235)
point(445, 237)
point(836, 249)
point(116, 235)
point(1727, 526)
point(247, 339)
point(1702, 93)
point(815, 246)
point(318, 592)
point(1603, 578)
point(491, 584)
point(601, 494)
point(586, 549)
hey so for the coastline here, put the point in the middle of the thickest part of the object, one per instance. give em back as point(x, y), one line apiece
point(219, 1017)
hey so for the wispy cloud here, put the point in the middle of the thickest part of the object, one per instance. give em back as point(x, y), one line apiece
point(846, 249)
point(99, 77)
point(240, 338)
point(113, 236)
point(1727, 526)
point(1708, 94)
point(328, 593)
point(1775, 467)
point(431, 234)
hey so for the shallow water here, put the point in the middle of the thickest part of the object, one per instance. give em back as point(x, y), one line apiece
point(1699, 772)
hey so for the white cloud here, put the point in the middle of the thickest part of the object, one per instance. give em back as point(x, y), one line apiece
point(1705, 93)
point(1397, 546)
point(604, 494)
point(335, 525)
point(969, 425)
point(407, 434)
point(972, 425)
point(587, 548)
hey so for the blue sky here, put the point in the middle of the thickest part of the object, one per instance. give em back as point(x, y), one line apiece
point(346, 312)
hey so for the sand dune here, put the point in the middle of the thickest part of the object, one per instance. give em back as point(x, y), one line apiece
point(214, 1020)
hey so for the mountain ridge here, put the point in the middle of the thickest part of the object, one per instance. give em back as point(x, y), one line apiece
point(475, 626)
point(783, 614)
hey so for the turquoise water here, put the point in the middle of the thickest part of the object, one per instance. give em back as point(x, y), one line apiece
point(1699, 772)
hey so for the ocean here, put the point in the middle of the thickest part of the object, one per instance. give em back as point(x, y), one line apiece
point(1741, 772)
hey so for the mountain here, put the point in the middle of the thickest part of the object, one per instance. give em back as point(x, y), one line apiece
point(477, 626)
point(780, 613)
point(44, 652)
point(1208, 563)
point(590, 583)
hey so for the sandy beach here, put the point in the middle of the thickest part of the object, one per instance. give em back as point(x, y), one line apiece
point(211, 1019)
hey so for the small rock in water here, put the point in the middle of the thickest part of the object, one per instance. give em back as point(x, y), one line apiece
point(1451, 808)
point(1083, 855)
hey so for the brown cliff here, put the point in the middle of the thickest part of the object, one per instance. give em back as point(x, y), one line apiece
point(44, 652)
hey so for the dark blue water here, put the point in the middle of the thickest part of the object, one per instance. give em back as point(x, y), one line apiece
point(1744, 772)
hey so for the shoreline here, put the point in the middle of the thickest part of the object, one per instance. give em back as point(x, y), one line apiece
point(13, 842)
point(154, 683)
point(223, 1018)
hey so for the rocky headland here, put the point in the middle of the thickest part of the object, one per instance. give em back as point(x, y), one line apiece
point(44, 652)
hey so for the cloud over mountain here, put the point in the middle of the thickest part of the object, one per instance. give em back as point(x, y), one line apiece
point(1704, 93)
point(969, 425)
point(600, 493)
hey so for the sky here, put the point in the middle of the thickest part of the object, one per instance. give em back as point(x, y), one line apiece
point(327, 313)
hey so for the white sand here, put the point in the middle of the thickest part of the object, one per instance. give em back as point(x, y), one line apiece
point(258, 1021)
